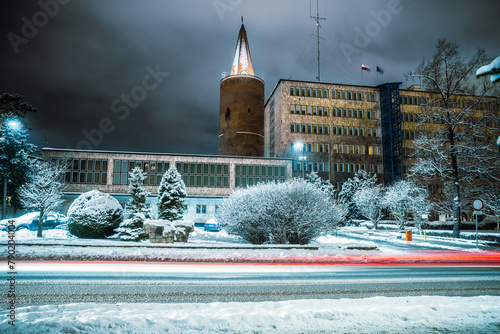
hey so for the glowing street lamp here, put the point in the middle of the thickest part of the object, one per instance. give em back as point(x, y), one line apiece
point(12, 124)
point(299, 147)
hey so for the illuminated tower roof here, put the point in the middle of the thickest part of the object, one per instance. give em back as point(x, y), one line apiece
point(242, 63)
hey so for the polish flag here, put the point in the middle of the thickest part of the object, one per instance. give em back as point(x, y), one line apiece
point(365, 68)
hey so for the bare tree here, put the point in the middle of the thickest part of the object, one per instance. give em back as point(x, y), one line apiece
point(463, 122)
point(44, 191)
point(369, 201)
point(491, 197)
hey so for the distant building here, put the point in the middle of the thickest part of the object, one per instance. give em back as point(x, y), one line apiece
point(337, 129)
point(208, 179)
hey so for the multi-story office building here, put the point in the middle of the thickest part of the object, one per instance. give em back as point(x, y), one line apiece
point(331, 129)
point(337, 129)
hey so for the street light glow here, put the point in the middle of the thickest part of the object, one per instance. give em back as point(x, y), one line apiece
point(14, 124)
point(298, 146)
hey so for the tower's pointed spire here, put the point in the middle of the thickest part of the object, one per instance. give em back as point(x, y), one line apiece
point(242, 63)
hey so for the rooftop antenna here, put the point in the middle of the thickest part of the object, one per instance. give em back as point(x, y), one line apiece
point(317, 18)
point(242, 20)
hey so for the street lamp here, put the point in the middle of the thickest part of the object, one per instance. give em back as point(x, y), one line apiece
point(299, 147)
point(12, 124)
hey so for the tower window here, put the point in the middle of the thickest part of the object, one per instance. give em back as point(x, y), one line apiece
point(228, 114)
point(249, 111)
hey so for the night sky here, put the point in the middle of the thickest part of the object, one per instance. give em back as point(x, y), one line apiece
point(144, 75)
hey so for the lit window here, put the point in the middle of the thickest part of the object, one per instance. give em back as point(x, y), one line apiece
point(201, 208)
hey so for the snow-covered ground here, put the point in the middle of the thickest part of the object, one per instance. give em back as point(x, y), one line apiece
point(426, 314)
point(220, 246)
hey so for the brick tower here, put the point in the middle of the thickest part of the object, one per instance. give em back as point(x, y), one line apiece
point(241, 113)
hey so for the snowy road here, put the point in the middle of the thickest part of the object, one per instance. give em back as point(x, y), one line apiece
point(59, 283)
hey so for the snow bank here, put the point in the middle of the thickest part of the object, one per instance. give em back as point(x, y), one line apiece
point(370, 315)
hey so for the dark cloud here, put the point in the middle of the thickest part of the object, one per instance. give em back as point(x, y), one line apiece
point(92, 52)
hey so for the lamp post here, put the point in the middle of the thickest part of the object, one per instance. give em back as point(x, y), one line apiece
point(12, 124)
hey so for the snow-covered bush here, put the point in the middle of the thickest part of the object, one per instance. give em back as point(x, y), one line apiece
point(323, 185)
point(294, 212)
point(360, 180)
point(369, 201)
point(94, 215)
point(132, 229)
point(419, 205)
point(171, 194)
point(398, 199)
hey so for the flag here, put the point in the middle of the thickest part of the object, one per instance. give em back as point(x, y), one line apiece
point(380, 70)
point(365, 68)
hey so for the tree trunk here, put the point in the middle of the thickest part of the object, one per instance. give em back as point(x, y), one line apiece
point(456, 200)
point(40, 224)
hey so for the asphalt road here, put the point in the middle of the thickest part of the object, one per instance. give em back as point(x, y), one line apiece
point(241, 283)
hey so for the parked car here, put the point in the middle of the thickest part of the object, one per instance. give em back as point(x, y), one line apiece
point(52, 220)
point(212, 225)
point(24, 219)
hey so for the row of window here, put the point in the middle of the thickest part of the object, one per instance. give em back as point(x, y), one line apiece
point(354, 113)
point(354, 131)
point(259, 170)
point(154, 170)
point(336, 112)
point(336, 94)
point(86, 177)
point(339, 148)
point(88, 165)
point(309, 92)
point(310, 128)
point(356, 149)
point(197, 174)
point(313, 147)
point(353, 168)
point(336, 130)
point(311, 166)
point(309, 110)
point(413, 100)
point(353, 96)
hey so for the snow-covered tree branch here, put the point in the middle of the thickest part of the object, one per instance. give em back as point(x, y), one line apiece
point(44, 191)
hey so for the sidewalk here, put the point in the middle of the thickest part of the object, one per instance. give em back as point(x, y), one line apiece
point(398, 237)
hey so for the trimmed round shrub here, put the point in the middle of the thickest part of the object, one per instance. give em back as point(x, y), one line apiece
point(94, 215)
point(293, 212)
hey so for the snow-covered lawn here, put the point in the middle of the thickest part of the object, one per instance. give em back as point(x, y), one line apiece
point(426, 314)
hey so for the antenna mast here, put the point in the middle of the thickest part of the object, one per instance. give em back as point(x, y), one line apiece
point(317, 18)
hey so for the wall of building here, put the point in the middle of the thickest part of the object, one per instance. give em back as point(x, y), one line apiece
point(208, 179)
point(338, 124)
point(241, 116)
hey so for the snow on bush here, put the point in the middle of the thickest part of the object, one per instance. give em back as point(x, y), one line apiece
point(294, 212)
point(369, 202)
point(360, 180)
point(397, 199)
point(132, 229)
point(171, 194)
point(94, 215)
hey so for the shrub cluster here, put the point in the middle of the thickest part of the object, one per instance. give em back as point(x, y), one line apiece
point(94, 215)
point(293, 212)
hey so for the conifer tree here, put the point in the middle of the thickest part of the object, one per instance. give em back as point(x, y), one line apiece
point(171, 194)
point(321, 184)
point(360, 180)
point(133, 228)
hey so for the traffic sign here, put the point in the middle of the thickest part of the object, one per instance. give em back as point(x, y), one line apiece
point(477, 204)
